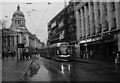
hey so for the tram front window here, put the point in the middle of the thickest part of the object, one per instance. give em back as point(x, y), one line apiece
point(63, 51)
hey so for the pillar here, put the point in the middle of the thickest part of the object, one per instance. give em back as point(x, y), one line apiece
point(82, 21)
point(78, 31)
point(103, 15)
point(78, 25)
point(20, 49)
point(86, 29)
point(111, 15)
point(96, 17)
point(117, 14)
point(119, 42)
point(86, 19)
point(91, 17)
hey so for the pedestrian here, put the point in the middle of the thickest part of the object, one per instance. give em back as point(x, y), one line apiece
point(117, 59)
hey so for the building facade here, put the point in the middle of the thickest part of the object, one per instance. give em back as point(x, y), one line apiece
point(18, 34)
point(98, 28)
point(62, 27)
point(0, 42)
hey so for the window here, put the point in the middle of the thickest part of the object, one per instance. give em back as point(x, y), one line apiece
point(114, 23)
point(106, 26)
point(113, 6)
point(53, 24)
point(60, 24)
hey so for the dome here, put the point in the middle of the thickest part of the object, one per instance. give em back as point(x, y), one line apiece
point(18, 12)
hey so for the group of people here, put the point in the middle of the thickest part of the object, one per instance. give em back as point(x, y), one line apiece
point(28, 55)
point(8, 54)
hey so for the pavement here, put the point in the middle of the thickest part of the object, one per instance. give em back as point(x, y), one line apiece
point(13, 70)
point(105, 64)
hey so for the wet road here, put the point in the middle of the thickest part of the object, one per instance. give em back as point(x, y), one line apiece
point(49, 70)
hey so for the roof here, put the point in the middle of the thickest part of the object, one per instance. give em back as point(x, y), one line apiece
point(18, 12)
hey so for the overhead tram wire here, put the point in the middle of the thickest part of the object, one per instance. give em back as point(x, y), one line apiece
point(43, 17)
point(31, 19)
point(34, 10)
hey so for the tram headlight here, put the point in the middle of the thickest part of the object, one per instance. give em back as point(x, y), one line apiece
point(65, 56)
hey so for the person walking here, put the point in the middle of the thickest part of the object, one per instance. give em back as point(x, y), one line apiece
point(117, 59)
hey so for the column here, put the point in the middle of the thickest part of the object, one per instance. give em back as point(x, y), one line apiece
point(86, 19)
point(117, 14)
point(111, 15)
point(117, 7)
point(103, 16)
point(96, 17)
point(20, 49)
point(15, 41)
point(82, 20)
point(78, 30)
point(119, 42)
point(86, 28)
point(91, 17)
point(10, 42)
point(6, 39)
point(78, 25)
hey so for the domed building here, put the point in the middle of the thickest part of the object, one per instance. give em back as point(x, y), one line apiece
point(18, 38)
point(18, 19)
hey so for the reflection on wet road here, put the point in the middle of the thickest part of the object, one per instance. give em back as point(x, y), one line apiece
point(46, 72)
point(49, 70)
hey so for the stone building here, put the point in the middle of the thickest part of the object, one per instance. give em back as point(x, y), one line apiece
point(18, 34)
point(61, 28)
point(0, 42)
point(98, 28)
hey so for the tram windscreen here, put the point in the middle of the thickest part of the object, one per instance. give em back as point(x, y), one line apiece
point(63, 49)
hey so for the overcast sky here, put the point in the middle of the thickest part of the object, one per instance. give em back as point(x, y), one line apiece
point(37, 20)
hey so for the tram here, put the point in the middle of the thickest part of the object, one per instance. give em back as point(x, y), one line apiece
point(58, 51)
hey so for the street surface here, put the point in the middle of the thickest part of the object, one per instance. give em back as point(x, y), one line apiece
point(43, 69)
point(50, 70)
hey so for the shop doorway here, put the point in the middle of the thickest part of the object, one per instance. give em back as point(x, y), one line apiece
point(110, 49)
